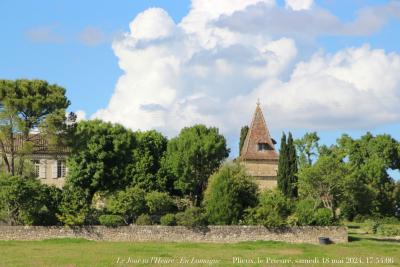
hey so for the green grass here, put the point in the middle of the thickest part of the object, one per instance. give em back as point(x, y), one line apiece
point(79, 252)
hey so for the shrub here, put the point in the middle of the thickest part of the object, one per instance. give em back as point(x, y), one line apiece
point(128, 203)
point(272, 210)
point(168, 219)
point(74, 207)
point(293, 220)
point(370, 226)
point(323, 217)
point(191, 217)
point(388, 220)
point(111, 220)
point(159, 203)
point(388, 230)
point(305, 212)
point(359, 218)
point(144, 219)
point(229, 193)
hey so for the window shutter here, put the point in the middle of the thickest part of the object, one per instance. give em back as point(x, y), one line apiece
point(54, 169)
point(42, 169)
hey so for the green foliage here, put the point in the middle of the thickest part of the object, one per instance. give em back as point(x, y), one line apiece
point(111, 220)
point(371, 226)
point(243, 133)
point(308, 149)
point(388, 230)
point(128, 203)
point(168, 219)
point(191, 158)
point(272, 210)
point(151, 146)
point(143, 219)
point(159, 203)
point(287, 167)
point(229, 193)
point(51, 198)
point(26, 105)
point(22, 200)
point(323, 181)
point(369, 158)
point(191, 217)
point(101, 157)
point(305, 212)
point(323, 217)
point(74, 207)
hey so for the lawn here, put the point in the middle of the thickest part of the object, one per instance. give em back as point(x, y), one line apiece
point(78, 252)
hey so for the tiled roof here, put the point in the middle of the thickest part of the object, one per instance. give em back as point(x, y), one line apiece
point(41, 145)
point(258, 133)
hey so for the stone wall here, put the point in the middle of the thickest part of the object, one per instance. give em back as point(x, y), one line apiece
point(215, 234)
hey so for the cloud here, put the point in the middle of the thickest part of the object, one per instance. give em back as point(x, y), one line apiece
point(44, 34)
point(80, 115)
point(92, 36)
point(199, 72)
point(299, 4)
point(299, 20)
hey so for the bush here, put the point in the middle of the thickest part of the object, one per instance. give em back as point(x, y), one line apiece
point(229, 193)
point(305, 212)
point(191, 217)
point(359, 218)
point(371, 226)
point(388, 220)
point(388, 230)
point(128, 203)
point(272, 210)
point(111, 220)
point(323, 217)
point(168, 220)
point(159, 203)
point(144, 219)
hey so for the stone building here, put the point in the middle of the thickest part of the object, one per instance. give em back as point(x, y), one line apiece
point(258, 154)
point(49, 161)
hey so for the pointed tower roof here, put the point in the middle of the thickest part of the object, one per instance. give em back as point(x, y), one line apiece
point(258, 134)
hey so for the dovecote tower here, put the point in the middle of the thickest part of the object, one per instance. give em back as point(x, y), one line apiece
point(258, 153)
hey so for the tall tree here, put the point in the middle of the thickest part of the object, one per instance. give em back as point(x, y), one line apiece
point(192, 157)
point(283, 166)
point(308, 149)
point(25, 106)
point(243, 134)
point(102, 157)
point(292, 162)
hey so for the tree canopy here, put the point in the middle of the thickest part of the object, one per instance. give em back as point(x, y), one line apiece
point(192, 157)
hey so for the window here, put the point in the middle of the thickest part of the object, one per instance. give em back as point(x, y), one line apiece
point(61, 168)
point(262, 146)
point(36, 168)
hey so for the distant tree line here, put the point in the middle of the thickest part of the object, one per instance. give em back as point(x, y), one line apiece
point(118, 176)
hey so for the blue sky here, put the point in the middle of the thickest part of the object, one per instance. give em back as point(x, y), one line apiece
point(71, 43)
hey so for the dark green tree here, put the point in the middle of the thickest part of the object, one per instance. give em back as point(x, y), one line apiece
point(128, 203)
point(147, 155)
point(292, 163)
point(191, 158)
point(26, 105)
point(283, 166)
point(74, 207)
point(102, 157)
point(229, 193)
point(243, 134)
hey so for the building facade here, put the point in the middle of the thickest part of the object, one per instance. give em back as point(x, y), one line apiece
point(48, 160)
point(258, 154)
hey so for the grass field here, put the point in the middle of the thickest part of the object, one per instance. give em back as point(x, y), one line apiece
point(78, 252)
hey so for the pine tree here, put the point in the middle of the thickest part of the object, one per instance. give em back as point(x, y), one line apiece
point(283, 167)
point(292, 170)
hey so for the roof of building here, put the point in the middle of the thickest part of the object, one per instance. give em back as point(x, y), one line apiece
point(258, 133)
point(40, 145)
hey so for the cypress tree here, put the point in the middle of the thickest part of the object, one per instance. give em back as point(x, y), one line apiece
point(292, 170)
point(283, 167)
point(243, 134)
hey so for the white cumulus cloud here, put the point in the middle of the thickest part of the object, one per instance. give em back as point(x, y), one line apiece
point(209, 69)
